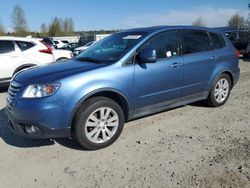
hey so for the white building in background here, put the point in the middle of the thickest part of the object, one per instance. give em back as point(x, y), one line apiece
point(69, 38)
point(76, 38)
point(100, 36)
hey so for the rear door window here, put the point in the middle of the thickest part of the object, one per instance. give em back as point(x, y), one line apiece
point(6, 47)
point(195, 41)
point(218, 40)
point(47, 41)
point(23, 45)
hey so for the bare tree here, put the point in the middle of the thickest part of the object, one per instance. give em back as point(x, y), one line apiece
point(55, 27)
point(199, 22)
point(2, 29)
point(19, 21)
point(71, 26)
point(44, 29)
point(236, 21)
point(68, 26)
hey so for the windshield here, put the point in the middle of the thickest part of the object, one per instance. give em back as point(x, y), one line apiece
point(111, 48)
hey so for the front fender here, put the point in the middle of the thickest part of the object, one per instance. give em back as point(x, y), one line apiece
point(75, 90)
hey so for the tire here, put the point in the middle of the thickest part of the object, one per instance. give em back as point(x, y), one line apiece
point(220, 91)
point(93, 132)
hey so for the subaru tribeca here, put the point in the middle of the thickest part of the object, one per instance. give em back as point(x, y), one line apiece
point(127, 75)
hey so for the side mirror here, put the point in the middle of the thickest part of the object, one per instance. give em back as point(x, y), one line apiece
point(147, 55)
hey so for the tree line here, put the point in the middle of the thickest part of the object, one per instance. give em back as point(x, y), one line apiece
point(235, 22)
point(65, 27)
point(57, 26)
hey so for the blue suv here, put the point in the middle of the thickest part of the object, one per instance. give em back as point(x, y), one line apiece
point(127, 75)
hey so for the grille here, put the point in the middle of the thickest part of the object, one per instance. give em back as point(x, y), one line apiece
point(12, 91)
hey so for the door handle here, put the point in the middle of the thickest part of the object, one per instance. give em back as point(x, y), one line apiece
point(175, 65)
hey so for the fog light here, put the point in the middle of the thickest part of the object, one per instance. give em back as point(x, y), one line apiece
point(31, 129)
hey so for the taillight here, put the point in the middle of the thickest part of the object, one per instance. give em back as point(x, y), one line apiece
point(48, 49)
point(237, 53)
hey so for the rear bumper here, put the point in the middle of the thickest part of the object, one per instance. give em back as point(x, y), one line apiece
point(236, 76)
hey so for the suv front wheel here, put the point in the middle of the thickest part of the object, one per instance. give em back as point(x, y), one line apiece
point(98, 123)
point(220, 91)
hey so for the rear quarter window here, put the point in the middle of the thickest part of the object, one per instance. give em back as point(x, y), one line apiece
point(6, 47)
point(218, 40)
point(23, 45)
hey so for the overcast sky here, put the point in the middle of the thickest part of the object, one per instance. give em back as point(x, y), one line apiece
point(115, 14)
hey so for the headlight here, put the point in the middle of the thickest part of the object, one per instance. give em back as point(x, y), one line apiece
point(40, 90)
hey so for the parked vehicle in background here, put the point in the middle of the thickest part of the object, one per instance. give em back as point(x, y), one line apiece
point(240, 40)
point(59, 43)
point(50, 42)
point(70, 46)
point(80, 49)
point(65, 41)
point(61, 55)
point(125, 76)
point(17, 54)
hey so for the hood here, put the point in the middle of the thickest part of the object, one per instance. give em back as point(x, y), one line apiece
point(54, 71)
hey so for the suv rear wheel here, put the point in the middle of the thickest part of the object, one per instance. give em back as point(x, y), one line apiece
point(220, 91)
point(98, 123)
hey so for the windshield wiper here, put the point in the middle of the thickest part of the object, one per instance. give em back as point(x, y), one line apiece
point(89, 59)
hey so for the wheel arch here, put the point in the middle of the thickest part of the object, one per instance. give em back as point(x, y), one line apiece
point(228, 72)
point(115, 95)
point(24, 66)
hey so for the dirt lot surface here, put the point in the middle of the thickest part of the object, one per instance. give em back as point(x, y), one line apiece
point(191, 146)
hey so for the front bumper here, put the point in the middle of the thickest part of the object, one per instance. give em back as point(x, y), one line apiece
point(40, 118)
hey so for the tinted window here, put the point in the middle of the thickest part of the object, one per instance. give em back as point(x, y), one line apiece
point(47, 41)
point(24, 45)
point(241, 34)
point(218, 40)
point(6, 47)
point(232, 35)
point(196, 41)
point(165, 44)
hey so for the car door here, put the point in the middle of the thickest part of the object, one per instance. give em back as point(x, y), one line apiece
point(10, 58)
point(199, 60)
point(159, 84)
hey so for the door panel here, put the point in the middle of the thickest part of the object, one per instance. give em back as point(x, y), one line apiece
point(197, 71)
point(198, 61)
point(160, 82)
point(10, 58)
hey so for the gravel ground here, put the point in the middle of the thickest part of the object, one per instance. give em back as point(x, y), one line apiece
point(190, 146)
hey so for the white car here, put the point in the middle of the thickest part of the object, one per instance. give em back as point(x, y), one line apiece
point(21, 53)
point(82, 48)
point(61, 55)
point(59, 43)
